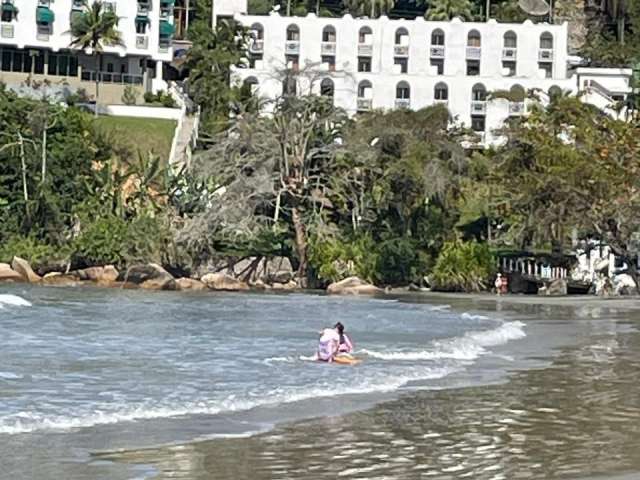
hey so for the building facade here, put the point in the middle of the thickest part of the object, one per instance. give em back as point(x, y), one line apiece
point(35, 46)
point(369, 64)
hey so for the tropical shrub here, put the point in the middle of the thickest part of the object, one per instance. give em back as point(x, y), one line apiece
point(36, 252)
point(333, 259)
point(400, 261)
point(463, 266)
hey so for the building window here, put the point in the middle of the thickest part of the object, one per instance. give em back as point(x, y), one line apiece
point(257, 32)
point(327, 88)
point(403, 91)
point(293, 62)
point(474, 39)
point(142, 23)
point(330, 61)
point(478, 123)
point(364, 89)
point(478, 93)
point(403, 63)
point(438, 63)
point(473, 68)
point(509, 69)
point(402, 36)
point(364, 64)
point(63, 65)
point(250, 86)
point(441, 92)
point(547, 68)
point(364, 36)
point(546, 40)
point(437, 37)
point(293, 33)
point(510, 40)
point(329, 34)
point(9, 11)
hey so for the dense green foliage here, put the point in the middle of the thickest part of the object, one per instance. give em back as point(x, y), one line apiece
point(464, 267)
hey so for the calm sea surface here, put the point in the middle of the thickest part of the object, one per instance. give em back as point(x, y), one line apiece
point(110, 384)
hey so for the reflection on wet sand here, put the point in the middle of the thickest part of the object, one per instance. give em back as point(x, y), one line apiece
point(578, 418)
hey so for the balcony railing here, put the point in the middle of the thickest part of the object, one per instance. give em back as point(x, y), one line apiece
point(142, 42)
point(545, 55)
point(256, 46)
point(365, 49)
point(43, 37)
point(328, 48)
point(478, 107)
point(436, 51)
point(439, 101)
point(474, 53)
point(292, 47)
point(516, 108)
point(6, 30)
point(364, 104)
point(110, 77)
point(403, 102)
point(509, 53)
point(401, 50)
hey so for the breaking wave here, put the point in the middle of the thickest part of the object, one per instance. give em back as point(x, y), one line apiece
point(13, 300)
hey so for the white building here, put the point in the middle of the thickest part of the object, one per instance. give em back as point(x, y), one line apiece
point(35, 46)
point(383, 64)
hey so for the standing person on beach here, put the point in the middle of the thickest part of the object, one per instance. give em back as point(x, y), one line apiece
point(498, 284)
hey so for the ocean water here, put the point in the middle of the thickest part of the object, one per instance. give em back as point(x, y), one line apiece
point(90, 370)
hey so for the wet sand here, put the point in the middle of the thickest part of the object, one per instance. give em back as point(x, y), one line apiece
point(575, 417)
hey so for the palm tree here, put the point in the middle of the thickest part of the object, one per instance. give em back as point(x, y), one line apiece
point(617, 10)
point(92, 31)
point(361, 7)
point(444, 10)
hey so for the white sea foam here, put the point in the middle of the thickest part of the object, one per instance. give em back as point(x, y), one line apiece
point(470, 316)
point(28, 422)
point(10, 376)
point(13, 300)
point(468, 347)
point(272, 360)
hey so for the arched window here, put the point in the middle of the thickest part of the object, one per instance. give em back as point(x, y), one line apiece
point(403, 91)
point(546, 40)
point(250, 84)
point(257, 31)
point(293, 33)
point(365, 89)
point(474, 39)
point(364, 35)
point(441, 92)
point(327, 88)
point(517, 93)
point(478, 93)
point(437, 37)
point(554, 92)
point(510, 40)
point(329, 34)
point(402, 36)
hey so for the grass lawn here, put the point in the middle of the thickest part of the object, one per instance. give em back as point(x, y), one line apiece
point(141, 134)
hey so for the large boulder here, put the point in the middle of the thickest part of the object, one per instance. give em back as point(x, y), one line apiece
point(190, 284)
point(60, 280)
point(278, 270)
point(555, 288)
point(150, 277)
point(102, 275)
point(8, 274)
point(109, 274)
point(21, 266)
point(222, 281)
point(352, 286)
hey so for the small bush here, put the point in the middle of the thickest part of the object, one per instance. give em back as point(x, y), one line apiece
point(35, 251)
point(335, 259)
point(130, 95)
point(160, 98)
point(463, 266)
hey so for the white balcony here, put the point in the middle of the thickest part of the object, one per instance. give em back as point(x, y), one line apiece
point(43, 37)
point(441, 102)
point(256, 46)
point(474, 53)
point(545, 55)
point(292, 47)
point(328, 48)
point(478, 107)
point(142, 42)
point(403, 103)
point(509, 54)
point(6, 30)
point(401, 50)
point(364, 104)
point(517, 108)
point(436, 51)
point(365, 50)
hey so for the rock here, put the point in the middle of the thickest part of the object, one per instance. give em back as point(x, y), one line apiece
point(352, 286)
point(190, 284)
point(221, 281)
point(109, 274)
point(21, 266)
point(60, 280)
point(93, 274)
point(150, 277)
point(287, 287)
point(278, 270)
point(8, 274)
point(554, 288)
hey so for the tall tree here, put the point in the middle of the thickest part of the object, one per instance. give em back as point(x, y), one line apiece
point(92, 31)
point(444, 10)
point(372, 8)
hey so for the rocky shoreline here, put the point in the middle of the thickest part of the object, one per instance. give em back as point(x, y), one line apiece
point(250, 274)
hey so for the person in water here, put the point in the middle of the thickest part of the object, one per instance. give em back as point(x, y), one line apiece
point(346, 345)
point(328, 345)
